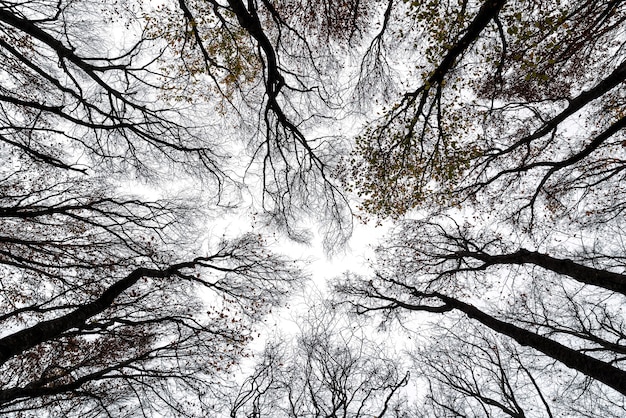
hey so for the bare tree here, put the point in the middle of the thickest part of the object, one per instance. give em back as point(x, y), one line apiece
point(470, 371)
point(67, 93)
point(111, 304)
point(100, 300)
point(184, 80)
point(276, 65)
point(332, 370)
point(531, 299)
point(507, 137)
point(505, 157)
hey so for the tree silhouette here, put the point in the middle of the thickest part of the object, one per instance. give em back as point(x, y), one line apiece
point(331, 370)
point(111, 302)
point(503, 164)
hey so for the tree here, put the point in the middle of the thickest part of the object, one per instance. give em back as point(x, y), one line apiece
point(269, 66)
point(521, 74)
point(500, 131)
point(521, 296)
point(332, 370)
point(473, 372)
point(508, 155)
point(470, 371)
point(136, 102)
point(111, 302)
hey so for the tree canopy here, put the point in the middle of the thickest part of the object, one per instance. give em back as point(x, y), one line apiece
point(487, 133)
point(503, 163)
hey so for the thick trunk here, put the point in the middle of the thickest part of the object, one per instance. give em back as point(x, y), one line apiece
point(590, 366)
point(587, 275)
point(28, 338)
